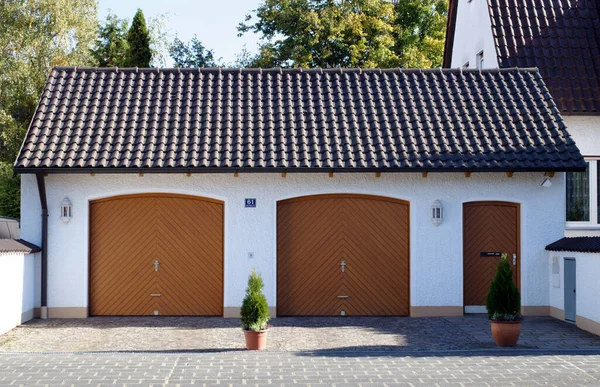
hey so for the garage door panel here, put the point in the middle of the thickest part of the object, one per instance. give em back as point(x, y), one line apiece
point(128, 234)
point(320, 232)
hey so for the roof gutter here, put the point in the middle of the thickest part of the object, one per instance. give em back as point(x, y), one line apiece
point(41, 183)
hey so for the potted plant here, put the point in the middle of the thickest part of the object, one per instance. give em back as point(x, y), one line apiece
point(503, 306)
point(255, 314)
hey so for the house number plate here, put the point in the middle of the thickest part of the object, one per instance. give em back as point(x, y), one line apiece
point(250, 202)
point(490, 254)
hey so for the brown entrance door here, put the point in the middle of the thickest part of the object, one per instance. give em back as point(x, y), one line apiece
point(156, 254)
point(489, 229)
point(342, 253)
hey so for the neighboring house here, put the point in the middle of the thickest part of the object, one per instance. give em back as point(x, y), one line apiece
point(353, 192)
point(562, 39)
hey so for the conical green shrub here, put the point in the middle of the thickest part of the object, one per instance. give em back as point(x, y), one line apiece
point(504, 300)
point(255, 309)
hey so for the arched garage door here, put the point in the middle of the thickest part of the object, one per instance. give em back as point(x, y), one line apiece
point(156, 254)
point(342, 254)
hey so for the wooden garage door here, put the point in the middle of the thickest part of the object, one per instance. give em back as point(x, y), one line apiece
point(156, 254)
point(342, 253)
point(490, 228)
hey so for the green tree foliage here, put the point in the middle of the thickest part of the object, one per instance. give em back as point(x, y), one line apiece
point(110, 47)
point(503, 300)
point(35, 36)
point(420, 32)
point(348, 33)
point(191, 54)
point(139, 53)
point(255, 310)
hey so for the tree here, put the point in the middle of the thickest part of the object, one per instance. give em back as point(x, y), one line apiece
point(420, 32)
point(35, 36)
point(323, 33)
point(191, 54)
point(348, 33)
point(110, 47)
point(139, 53)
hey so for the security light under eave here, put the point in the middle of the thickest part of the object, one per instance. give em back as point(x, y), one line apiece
point(547, 183)
point(437, 213)
point(66, 210)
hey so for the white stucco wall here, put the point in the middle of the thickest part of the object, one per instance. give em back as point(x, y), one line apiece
point(17, 289)
point(436, 252)
point(473, 34)
point(585, 131)
point(586, 282)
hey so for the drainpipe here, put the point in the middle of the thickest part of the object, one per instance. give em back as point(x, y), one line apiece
point(42, 191)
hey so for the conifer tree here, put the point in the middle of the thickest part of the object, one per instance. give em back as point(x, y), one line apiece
point(139, 53)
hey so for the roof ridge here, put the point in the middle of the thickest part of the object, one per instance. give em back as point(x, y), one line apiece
point(241, 70)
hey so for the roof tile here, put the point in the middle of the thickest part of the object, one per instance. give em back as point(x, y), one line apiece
point(215, 119)
point(561, 38)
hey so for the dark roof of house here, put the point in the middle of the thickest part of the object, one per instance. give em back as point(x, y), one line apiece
point(18, 246)
point(214, 120)
point(576, 244)
point(560, 37)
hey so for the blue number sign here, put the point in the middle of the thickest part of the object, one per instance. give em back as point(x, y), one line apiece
point(250, 203)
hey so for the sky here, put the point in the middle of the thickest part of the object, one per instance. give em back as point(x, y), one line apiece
point(214, 22)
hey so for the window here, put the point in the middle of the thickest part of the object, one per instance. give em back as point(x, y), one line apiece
point(583, 201)
point(480, 60)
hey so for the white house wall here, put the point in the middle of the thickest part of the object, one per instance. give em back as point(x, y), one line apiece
point(587, 267)
point(436, 252)
point(585, 131)
point(473, 33)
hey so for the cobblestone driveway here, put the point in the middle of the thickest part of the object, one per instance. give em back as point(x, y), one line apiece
point(287, 334)
point(302, 369)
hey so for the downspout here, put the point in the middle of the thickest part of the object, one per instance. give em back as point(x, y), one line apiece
point(42, 191)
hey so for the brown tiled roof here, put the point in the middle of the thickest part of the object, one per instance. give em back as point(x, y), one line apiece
point(576, 244)
point(561, 38)
point(207, 120)
point(17, 246)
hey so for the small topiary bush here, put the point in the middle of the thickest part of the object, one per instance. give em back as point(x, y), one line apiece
point(504, 300)
point(255, 309)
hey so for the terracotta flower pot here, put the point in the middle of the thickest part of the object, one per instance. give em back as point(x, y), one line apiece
point(506, 333)
point(256, 340)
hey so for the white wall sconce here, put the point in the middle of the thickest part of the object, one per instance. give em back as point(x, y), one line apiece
point(547, 183)
point(66, 210)
point(437, 213)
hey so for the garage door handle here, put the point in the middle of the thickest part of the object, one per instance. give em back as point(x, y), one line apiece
point(156, 295)
point(343, 296)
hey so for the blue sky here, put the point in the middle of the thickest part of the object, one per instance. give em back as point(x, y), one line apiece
point(214, 22)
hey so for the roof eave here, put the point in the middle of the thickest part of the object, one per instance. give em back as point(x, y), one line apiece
point(450, 30)
point(210, 170)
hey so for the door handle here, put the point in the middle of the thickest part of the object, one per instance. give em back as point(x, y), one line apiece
point(156, 263)
point(514, 259)
point(343, 265)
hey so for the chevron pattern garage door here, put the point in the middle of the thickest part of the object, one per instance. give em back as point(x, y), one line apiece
point(345, 253)
point(156, 254)
point(489, 227)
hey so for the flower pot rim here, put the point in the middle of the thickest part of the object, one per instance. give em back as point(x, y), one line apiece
point(506, 322)
point(261, 331)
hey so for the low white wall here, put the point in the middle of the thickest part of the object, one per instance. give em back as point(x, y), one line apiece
point(436, 252)
point(587, 285)
point(17, 289)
